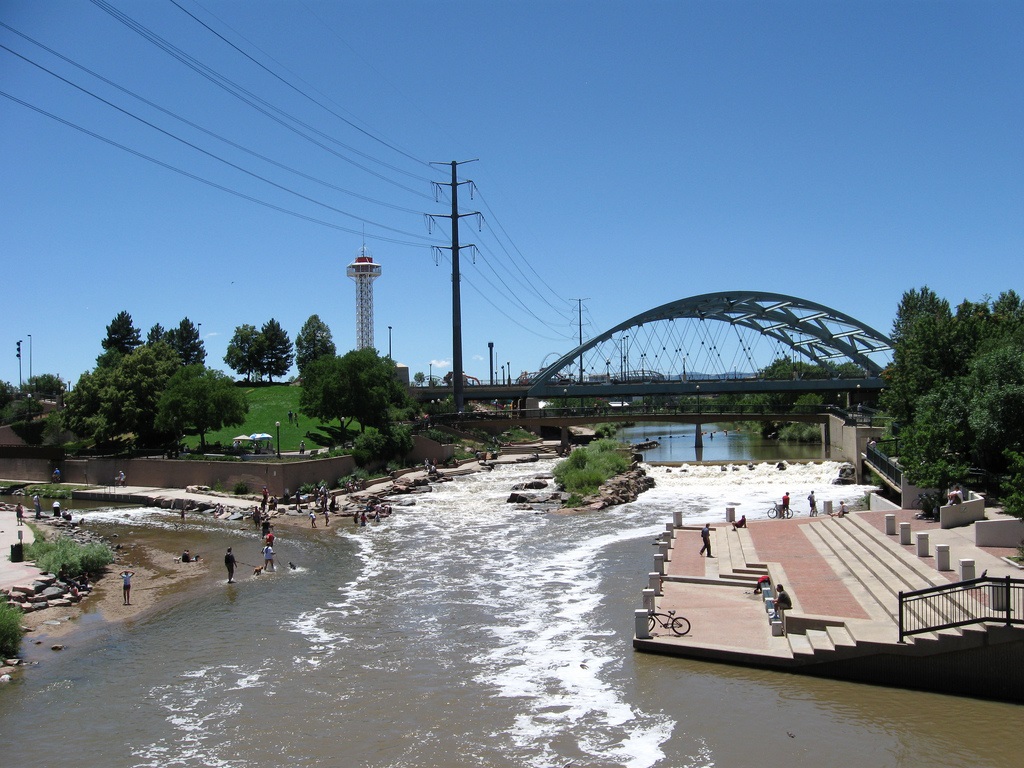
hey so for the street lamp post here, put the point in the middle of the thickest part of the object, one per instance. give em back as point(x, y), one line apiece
point(389, 341)
point(278, 439)
point(565, 398)
point(503, 374)
point(30, 359)
point(430, 377)
point(508, 367)
point(698, 441)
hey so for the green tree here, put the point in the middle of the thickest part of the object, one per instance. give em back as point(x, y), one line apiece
point(119, 403)
point(156, 333)
point(277, 350)
point(1013, 487)
point(122, 338)
point(419, 378)
point(202, 400)
point(48, 384)
point(314, 341)
point(186, 342)
point(360, 385)
point(245, 352)
point(921, 336)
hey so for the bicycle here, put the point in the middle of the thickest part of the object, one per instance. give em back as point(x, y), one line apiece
point(777, 511)
point(678, 624)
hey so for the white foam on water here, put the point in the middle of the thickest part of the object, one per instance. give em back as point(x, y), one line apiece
point(202, 732)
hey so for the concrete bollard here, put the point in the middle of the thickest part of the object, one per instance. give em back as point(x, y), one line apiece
point(677, 518)
point(967, 570)
point(730, 514)
point(890, 525)
point(826, 508)
point(942, 557)
point(905, 533)
point(654, 582)
point(648, 595)
point(922, 545)
point(670, 531)
point(663, 549)
point(659, 564)
point(640, 620)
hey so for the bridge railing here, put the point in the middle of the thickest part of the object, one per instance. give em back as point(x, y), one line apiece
point(961, 604)
point(709, 410)
point(884, 465)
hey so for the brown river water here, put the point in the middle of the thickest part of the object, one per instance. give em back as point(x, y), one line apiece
point(460, 632)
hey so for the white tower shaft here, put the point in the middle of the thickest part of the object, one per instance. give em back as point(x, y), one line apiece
point(364, 271)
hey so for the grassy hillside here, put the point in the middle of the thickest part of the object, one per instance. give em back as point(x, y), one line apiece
point(270, 404)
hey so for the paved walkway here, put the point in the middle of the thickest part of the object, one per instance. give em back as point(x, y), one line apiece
point(14, 573)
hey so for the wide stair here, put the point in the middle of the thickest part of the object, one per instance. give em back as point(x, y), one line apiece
point(876, 568)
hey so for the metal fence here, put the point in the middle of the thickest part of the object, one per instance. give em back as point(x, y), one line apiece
point(963, 603)
point(884, 466)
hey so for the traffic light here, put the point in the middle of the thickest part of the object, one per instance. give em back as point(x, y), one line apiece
point(19, 350)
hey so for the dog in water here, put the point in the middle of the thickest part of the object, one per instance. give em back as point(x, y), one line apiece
point(257, 571)
point(292, 566)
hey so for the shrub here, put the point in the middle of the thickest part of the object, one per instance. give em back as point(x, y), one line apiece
point(587, 468)
point(241, 489)
point(11, 631)
point(65, 557)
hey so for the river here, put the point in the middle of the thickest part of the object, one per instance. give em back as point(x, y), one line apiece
point(462, 632)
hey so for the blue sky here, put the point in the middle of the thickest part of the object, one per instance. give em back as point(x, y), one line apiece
point(629, 154)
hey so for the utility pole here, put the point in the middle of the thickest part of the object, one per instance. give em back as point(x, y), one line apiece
point(457, 373)
point(579, 309)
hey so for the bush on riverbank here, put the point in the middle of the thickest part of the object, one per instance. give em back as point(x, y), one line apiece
point(11, 631)
point(67, 558)
point(587, 468)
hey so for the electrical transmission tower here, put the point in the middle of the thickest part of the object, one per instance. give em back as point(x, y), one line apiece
point(364, 271)
point(458, 381)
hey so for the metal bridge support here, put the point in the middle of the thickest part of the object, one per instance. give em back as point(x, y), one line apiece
point(564, 438)
point(698, 441)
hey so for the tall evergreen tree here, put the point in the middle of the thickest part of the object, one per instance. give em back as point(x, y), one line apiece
point(277, 350)
point(122, 339)
point(156, 333)
point(186, 342)
point(314, 341)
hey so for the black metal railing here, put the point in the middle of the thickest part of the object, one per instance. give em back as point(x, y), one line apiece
point(884, 466)
point(986, 599)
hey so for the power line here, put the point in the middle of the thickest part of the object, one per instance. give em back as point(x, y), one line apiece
point(209, 154)
point(200, 179)
point(237, 90)
point(310, 98)
point(208, 132)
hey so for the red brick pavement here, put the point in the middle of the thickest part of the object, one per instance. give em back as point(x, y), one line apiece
point(815, 587)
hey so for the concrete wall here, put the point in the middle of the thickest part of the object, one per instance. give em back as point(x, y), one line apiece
point(880, 503)
point(964, 513)
point(1006, 532)
point(848, 443)
point(425, 448)
point(176, 473)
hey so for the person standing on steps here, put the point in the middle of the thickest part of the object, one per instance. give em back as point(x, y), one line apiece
point(705, 535)
point(229, 563)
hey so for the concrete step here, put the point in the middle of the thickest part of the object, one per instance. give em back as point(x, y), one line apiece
point(800, 645)
point(871, 592)
point(820, 640)
point(840, 637)
point(894, 567)
point(925, 569)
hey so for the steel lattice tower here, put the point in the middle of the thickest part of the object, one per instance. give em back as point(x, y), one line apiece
point(364, 272)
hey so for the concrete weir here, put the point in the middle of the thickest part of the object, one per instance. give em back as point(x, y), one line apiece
point(844, 576)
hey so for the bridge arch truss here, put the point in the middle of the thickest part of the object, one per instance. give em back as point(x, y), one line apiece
point(719, 337)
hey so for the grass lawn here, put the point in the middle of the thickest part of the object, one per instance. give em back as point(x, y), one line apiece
point(270, 404)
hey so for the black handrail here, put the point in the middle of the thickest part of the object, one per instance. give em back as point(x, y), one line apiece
point(961, 604)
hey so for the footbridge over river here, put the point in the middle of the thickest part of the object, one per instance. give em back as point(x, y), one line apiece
point(715, 343)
